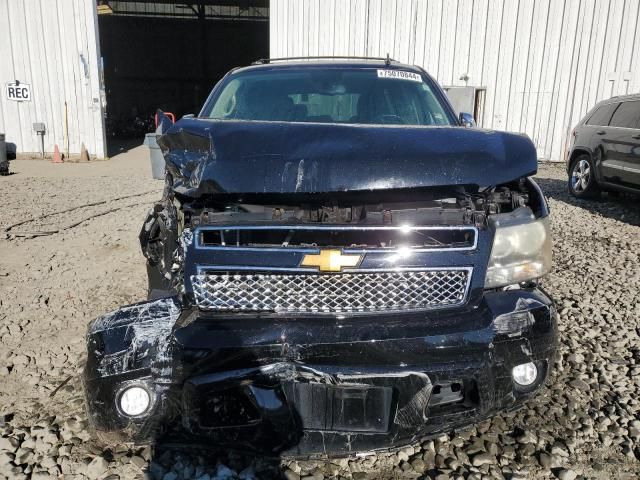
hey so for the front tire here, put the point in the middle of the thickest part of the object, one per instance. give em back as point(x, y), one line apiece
point(582, 180)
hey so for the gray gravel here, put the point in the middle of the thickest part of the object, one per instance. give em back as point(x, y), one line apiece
point(585, 424)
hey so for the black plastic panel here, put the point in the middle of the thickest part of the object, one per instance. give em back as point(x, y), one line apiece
point(341, 408)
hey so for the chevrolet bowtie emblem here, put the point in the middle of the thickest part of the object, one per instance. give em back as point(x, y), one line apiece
point(330, 260)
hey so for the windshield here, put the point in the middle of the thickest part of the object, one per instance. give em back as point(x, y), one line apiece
point(330, 95)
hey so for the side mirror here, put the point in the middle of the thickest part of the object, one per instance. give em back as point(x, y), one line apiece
point(189, 115)
point(466, 120)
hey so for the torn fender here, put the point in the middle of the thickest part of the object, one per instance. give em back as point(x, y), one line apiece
point(131, 345)
point(207, 157)
point(134, 337)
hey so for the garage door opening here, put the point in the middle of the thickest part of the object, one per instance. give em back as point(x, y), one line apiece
point(168, 55)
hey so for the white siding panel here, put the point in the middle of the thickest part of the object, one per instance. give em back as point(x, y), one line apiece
point(552, 63)
point(373, 27)
point(403, 29)
point(420, 31)
point(490, 51)
point(534, 86)
point(464, 30)
point(611, 51)
point(51, 45)
point(634, 66)
point(504, 68)
point(476, 46)
point(544, 63)
point(447, 43)
point(519, 67)
point(433, 37)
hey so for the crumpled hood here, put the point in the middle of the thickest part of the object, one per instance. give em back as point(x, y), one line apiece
point(211, 156)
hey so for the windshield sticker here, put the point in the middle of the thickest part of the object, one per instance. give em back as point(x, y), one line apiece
point(400, 75)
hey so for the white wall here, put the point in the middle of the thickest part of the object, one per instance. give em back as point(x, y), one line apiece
point(544, 63)
point(51, 45)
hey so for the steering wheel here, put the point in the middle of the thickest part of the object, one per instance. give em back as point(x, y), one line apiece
point(389, 119)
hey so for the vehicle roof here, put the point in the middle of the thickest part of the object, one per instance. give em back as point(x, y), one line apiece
point(620, 98)
point(327, 62)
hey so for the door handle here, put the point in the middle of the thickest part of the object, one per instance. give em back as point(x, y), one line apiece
point(600, 132)
point(637, 137)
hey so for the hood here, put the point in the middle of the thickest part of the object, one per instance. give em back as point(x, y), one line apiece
point(208, 157)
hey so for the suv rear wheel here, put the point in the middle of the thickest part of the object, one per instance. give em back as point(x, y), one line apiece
point(582, 180)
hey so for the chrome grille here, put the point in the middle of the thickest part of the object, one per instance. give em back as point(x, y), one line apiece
point(379, 291)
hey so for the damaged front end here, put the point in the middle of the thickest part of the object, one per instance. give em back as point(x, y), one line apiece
point(295, 310)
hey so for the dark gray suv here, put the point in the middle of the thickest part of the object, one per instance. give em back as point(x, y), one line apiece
point(604, 149)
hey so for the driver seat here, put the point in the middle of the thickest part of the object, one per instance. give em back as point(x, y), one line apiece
point(369, 106)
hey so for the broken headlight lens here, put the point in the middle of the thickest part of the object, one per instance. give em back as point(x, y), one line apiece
point(520, 253)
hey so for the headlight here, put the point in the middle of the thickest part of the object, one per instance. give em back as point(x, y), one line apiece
point(520, 253)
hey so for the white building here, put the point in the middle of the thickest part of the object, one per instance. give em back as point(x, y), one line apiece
point(51, 46)
point(540, 65)
point(537, 66)
point(95, 76)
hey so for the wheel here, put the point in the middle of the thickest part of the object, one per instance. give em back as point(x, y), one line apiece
point(582, 180)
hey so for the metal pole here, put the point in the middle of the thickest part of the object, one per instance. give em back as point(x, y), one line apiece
point(4, 163)
point(66, 130)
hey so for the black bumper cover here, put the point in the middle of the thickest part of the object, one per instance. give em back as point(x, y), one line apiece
point(315, 385)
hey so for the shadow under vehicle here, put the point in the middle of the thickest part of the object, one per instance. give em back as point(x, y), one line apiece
point(337, 265)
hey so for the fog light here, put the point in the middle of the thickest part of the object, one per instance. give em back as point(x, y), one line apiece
point(525, 374)
point(134, 401)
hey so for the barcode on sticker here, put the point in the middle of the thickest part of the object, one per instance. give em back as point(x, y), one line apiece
point(400, 75)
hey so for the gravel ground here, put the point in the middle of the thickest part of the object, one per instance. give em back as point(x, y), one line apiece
point(86, 261)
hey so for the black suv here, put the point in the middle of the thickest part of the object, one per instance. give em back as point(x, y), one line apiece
point(604, 151)
point(337, 265)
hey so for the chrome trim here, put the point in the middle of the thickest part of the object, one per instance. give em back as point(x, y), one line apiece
point(622, 128)
point(621, 167)
point(465, 295)
point(613, 126)
point(199, 229)
point(325, 226)
point(201, 269)
point(614, 166)
point(261, 249)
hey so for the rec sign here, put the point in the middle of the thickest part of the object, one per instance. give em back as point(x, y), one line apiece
point(18, 92)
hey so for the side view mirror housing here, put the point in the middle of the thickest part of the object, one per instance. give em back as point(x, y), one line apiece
point(466, 120)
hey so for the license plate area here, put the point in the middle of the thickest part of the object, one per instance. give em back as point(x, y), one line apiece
point(340, 408)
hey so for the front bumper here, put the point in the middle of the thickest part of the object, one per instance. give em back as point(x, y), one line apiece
point(315, 385)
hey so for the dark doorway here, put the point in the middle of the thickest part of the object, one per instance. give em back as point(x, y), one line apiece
point(169, 55)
